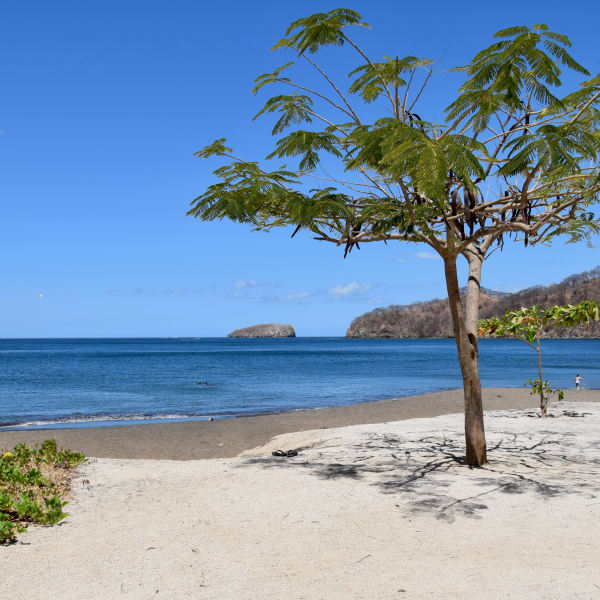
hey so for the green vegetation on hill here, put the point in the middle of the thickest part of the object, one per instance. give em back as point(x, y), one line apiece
point(432, 319)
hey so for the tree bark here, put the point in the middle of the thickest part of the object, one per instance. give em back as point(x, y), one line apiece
point(465, 333)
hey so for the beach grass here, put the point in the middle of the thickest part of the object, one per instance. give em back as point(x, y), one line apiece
point(34, 482)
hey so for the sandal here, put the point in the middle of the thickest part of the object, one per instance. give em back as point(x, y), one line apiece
point(289, 453)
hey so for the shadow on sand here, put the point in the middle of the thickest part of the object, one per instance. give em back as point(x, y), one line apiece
point(422, 472)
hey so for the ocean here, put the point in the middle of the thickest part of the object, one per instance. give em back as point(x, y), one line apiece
point(107, 382)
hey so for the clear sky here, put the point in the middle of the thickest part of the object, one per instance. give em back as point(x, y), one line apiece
point(102, 105)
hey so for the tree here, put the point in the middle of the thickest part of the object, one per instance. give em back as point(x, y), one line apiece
point(529, 324)
point(511, 160)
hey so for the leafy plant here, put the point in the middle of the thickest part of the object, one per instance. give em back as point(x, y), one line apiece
point(514, 159)
point(529, 324)
point(33, 484)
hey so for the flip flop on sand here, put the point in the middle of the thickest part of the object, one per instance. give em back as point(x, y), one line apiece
point(284, 453)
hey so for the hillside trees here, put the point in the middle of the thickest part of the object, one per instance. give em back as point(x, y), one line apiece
point(432, 318)
point(513, 160)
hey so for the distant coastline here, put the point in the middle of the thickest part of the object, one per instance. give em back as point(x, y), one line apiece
point(432, 319)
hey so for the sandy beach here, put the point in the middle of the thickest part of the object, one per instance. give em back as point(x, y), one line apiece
point(372, 511)
point(228, 437)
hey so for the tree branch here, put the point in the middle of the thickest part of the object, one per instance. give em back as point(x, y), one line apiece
point(368, 60)
point(311, 91)
point(344, 100)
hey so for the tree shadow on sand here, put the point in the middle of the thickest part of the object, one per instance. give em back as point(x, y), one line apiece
point(426, 473)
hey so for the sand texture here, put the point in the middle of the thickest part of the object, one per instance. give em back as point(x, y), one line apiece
point(374, 512)
point(227, 438)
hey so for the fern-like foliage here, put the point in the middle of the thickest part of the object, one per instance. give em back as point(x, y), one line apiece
point(294, 109)
point(308, 144)
point(371, 77)
point(521, 68)
point(321, 29)
point(515, 157)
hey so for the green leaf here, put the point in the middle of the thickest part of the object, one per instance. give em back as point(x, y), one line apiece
point(294, 109)
point(526, 62)
point(308, 144)
point(369, 84)
point(321, 29)
point(217, 148)
point(273, 77)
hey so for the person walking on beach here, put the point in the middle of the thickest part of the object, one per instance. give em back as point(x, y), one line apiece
point(578, 380)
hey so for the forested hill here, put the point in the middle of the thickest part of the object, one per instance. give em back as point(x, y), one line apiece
point(432, 319)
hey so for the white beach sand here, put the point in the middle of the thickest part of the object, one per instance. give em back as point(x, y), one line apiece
point(373, 512)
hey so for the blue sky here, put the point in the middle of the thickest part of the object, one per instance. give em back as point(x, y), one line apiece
point(102, 107)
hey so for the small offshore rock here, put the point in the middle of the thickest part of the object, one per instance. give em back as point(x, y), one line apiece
point(264, 330)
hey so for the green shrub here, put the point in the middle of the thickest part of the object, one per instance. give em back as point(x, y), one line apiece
point(33, 485)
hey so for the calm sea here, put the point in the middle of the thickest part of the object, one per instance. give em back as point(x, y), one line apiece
point(84, 382)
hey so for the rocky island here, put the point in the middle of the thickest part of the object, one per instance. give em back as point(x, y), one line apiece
point(264, 330)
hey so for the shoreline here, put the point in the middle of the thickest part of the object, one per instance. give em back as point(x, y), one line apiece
point(226, 438)
point(98, 421)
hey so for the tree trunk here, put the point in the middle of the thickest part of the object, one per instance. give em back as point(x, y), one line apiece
point(465, 333)
point(543, 401)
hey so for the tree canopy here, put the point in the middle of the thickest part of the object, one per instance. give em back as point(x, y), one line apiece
point(512, 158)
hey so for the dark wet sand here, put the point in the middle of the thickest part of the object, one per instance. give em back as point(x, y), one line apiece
point(228, 437)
